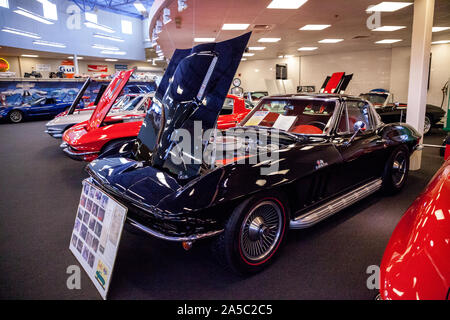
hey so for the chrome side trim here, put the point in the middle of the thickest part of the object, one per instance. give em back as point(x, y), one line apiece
point(159, 235)
point(316, 215)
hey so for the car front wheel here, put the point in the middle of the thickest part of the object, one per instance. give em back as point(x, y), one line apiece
point(254, 233)
point(427, 125)
point(396, 170)
point(16, 116)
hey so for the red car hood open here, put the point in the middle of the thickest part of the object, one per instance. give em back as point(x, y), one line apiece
point(108, 98)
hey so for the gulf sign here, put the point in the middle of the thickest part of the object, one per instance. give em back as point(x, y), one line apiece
point(68, 68)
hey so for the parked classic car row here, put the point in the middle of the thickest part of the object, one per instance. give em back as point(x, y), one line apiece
point(287, 163)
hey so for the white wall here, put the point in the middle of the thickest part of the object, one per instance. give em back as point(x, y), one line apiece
point(382, 68)
point(254, 72)
point(371, 69)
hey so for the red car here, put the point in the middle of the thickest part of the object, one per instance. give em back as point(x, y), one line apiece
point(86, 140)
point(416, 262)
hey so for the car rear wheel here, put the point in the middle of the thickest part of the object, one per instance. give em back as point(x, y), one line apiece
point(396, 170)
point(253, 234)
point(427, 125)
point(16, 116)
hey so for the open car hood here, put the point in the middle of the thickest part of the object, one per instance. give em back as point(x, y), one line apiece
point(108, 98)
point(188, 100)
point(79, 96)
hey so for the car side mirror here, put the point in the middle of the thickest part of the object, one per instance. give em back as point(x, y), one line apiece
point(358, 127)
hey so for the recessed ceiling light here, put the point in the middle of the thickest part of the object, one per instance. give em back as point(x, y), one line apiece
point(49, 44)
point(103, 47)
point(30, 55)
point(112, 60)
point(286, 4)
point(438, 29)
point(32, 15)
point(307, 48)
point(21, 33)
point(78, 58)
point(388, 6)
point(331, 40)
point(315, 27)
point(288, 56)
point(388, 41)
point(269, 39)
point(389, 28)
point(248, 54)
point(105, 36)
point(256, 48)
point(139, 7)
point(93, 25)
point(204, 39)
point(235, 26)
point(441, 42)
point(243, 59)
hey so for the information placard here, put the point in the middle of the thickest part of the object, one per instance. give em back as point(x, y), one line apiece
point(96, 234)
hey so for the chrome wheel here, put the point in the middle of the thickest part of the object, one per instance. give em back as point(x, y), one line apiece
point(399, 169)
point(15, 116)
point(427, 125)
point(260, 231)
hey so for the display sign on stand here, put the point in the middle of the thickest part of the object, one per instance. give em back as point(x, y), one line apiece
point(96, 234)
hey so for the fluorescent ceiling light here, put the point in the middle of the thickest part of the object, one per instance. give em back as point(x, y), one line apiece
point(315, 27)
point(438, 29)
point(78, 58)
point(331, 40)
point(4, 4)
point(103, 47)
point(31, 15)
point(93, 25)
point(127, 27)
point(50, 11)
point(139, 7)
point(49, 43)
point(441, 42)
point(256, 48)
point(243, 59)
point(120, 53)
point(269, 39)
point(112, 60)
point(235, 26)
point(30, 55)
point(288, 56)
point(388, 41)
point(204, 39)
point(307, 48)
point(91, 17)
point(389, 28)
point(21, 33)
point(105, 36)
point(248, 54)
point(286, 4)
point(387, 6)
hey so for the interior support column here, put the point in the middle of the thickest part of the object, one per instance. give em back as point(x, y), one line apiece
point(75, 63)
point(418, 70)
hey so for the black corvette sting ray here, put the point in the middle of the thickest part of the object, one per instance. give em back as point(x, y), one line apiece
point(292, 162)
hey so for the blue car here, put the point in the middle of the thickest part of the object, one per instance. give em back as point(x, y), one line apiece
point(44, 106)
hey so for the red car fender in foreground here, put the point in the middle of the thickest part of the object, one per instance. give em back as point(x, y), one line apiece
point(416, 262)
point(85, 142)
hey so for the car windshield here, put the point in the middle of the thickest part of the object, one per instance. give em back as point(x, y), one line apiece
point(227, 106)
point(37, 101)
point(374, 98)
point(304, 116)
point(131, 104)
point(258, 95)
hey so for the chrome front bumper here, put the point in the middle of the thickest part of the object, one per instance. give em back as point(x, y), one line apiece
point(55, 132)
point(76, 155)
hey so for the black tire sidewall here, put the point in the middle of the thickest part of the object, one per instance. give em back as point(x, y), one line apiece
point(231, 236)
point(388, 184)
point(15, 111)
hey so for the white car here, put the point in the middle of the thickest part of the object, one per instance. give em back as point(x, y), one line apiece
point(128, 104)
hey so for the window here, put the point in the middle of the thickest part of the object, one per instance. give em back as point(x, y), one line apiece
point(353, 112)
point(227, 106)
point(127, 27)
